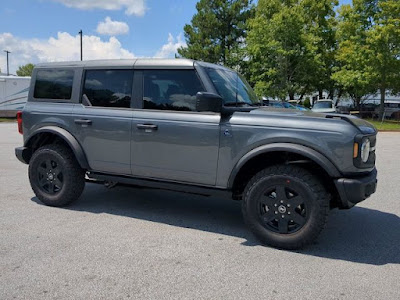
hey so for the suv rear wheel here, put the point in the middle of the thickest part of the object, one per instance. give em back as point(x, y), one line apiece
point(55, 175)
point(285, 206)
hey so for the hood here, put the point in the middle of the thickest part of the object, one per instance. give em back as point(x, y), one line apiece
point(324, 121)
point(364, 126)
point(285, 112)
point(324, 110)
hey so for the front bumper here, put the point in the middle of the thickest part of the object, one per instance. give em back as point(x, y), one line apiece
point(23, 154)
point(355, 190)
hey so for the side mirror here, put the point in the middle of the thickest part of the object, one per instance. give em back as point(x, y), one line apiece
point(208, 102)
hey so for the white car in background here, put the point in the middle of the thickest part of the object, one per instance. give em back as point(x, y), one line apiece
point(324, 106)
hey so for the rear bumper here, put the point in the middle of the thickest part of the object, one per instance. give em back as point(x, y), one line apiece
point(355, 190)
point(23, 154)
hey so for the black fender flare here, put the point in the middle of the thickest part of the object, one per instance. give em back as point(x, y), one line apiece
point(68, 138)
point(312, 154)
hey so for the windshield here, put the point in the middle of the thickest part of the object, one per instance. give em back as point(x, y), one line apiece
point(323, 104)
point(288, 105)
point(232, 87)
point(275, 104)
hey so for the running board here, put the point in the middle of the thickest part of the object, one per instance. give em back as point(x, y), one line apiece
point(162, 185)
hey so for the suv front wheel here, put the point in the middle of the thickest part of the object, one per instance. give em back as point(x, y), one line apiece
point(285, 206)
point(55, 175)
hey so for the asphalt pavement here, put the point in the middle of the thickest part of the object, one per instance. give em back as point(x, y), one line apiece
point(132, 243)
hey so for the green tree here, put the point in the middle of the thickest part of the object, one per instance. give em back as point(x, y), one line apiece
point(369, 48)
point(25, 70)
point(217, 32)
point(291, 45)
point(321, 24)
point(307, 102)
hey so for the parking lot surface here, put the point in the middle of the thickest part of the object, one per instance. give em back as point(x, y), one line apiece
point(131, 243)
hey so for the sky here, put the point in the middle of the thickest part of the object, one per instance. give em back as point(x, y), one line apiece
point(47, 30)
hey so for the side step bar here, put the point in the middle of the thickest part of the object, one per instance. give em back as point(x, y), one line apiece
point(162, 185)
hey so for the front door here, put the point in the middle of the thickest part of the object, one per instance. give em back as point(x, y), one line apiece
point(103, 120)
point(170, 141)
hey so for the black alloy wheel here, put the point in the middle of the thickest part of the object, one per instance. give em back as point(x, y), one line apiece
point(50, 176)
point(283, 209)
point(285, 206)
point(55, 175)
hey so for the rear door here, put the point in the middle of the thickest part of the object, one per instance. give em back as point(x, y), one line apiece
point(170, 141)
point(103, 119)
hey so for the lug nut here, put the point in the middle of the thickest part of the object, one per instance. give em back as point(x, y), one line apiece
point(276, 212)
point(283, 216)
point(288, 213)
point(288, 205)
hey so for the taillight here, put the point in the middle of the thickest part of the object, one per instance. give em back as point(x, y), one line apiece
point(19, 120)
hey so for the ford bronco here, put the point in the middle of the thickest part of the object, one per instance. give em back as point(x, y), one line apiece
point(194, 127)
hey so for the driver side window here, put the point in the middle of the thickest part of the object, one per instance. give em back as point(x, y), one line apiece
point(170, 89)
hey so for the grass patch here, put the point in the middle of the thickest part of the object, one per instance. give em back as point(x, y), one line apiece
point(387, 125)
point(8, 120)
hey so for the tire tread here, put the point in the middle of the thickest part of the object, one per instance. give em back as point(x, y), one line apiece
point(322, 196)
point(71, 167)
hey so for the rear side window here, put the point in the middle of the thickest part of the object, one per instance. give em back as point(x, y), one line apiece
point(54, 84)
point(171, 89)
point(108, 88)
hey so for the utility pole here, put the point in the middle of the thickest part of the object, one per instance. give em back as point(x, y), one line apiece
point(80, 33)
point(8, 69)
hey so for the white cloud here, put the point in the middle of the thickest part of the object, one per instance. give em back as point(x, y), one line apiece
point(169, 49)
point(132, 7)
point(64, 47)
point(110, 27)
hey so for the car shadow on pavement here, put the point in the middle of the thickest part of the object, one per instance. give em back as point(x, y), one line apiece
point(359, 235)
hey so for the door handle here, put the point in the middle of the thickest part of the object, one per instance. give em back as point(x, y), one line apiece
point(83, 121)
point(147, 126)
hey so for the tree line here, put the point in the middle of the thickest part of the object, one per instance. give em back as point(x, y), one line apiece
point(290, 48)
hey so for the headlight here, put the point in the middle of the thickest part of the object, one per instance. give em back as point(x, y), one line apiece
point(365, 149)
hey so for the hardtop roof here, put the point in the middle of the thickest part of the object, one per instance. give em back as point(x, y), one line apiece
point(137, 63)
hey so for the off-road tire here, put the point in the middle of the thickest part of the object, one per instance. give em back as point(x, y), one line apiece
point(67, 177)
point(289, 180)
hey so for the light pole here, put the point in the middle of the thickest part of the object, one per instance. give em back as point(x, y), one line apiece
point(8, 70)
point(80, 33)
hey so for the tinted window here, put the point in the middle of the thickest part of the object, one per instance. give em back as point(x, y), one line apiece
point(323, 104)
point(108, 88)
point(171, 89)
point(275, 104)
point(288, 105)
point(232, 87)
point(54, 84)
point(392, 105)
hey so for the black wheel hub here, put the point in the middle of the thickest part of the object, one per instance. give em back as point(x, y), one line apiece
point(50, 176)
point(282, 209)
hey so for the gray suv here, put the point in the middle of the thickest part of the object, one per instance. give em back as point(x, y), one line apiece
point(194, 127)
